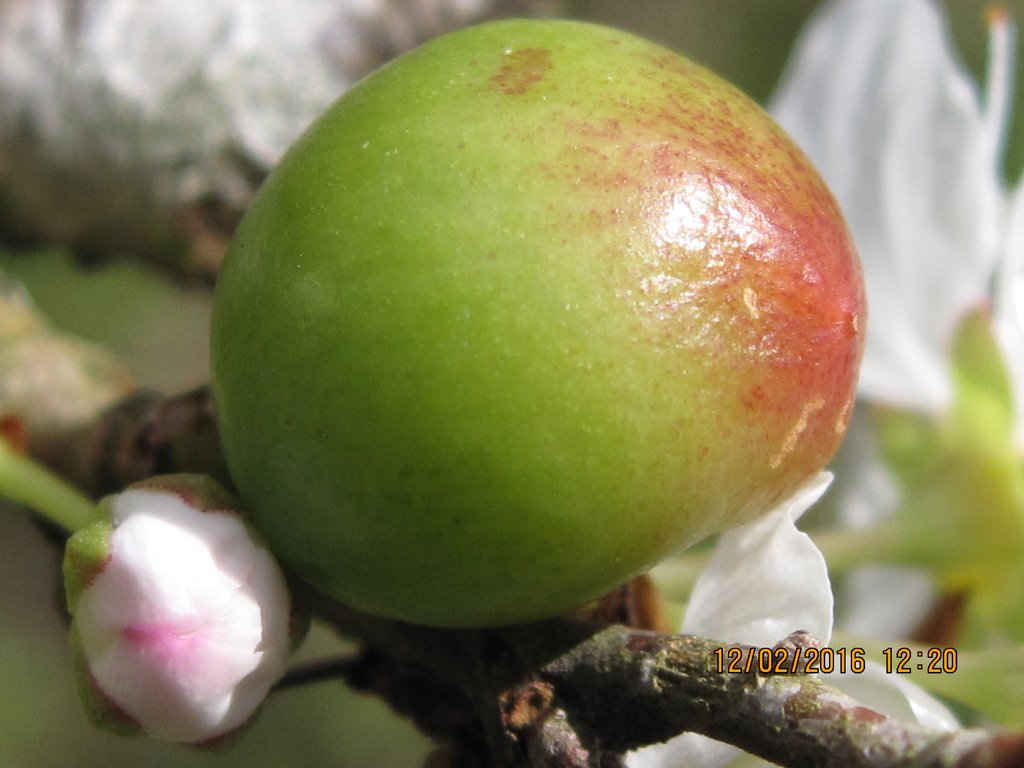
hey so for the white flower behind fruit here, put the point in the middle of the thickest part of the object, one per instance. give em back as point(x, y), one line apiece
point(766, 580)
point(874, 94)
point(181, 619)
point(913, 151)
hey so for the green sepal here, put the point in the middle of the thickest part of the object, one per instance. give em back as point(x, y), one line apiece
point(989, 477)
point(101, 711)
point(86, 554)
point(198, 491)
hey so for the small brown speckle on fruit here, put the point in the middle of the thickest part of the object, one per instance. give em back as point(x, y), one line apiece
point(521, 70)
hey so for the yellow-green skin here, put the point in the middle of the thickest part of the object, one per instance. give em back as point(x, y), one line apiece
point(525, 311)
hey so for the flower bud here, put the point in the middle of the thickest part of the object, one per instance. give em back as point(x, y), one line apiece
point(181, 618)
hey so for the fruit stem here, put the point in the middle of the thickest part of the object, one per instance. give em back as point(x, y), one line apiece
point(24, 480)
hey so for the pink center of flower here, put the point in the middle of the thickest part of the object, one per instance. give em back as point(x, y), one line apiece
point(172, 642)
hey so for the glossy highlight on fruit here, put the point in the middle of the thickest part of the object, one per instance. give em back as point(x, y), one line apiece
point(525, 311)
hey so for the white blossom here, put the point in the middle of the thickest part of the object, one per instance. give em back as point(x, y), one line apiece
point(181, 618)
point(913, 151)
point(765, 580)
point(899, 132)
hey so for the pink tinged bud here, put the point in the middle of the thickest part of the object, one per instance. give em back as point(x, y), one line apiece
point(182, 622)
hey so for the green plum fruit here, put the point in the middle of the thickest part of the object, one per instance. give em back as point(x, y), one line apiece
point(525, 311)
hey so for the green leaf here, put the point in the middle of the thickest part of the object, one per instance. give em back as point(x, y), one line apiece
point(86, 554)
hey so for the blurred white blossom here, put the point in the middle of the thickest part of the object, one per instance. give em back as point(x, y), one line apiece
point(913, 151)
point(876, 97)
point(766, 580)
point(181, 620)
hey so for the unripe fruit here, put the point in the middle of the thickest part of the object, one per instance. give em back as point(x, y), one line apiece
point(525, 311)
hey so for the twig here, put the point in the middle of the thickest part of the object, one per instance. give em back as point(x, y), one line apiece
point(317, 671)
point(671, 683)
point(572, 694)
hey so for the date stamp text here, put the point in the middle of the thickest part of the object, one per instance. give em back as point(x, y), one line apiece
point(745, 659)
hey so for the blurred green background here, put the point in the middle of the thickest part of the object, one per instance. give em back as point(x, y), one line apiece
point(160, 330)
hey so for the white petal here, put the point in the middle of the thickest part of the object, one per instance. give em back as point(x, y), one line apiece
point(865, 490)
point(157, 541)
point(1009, 305)
point(187, 626)
point(876, 98)
point(765, 579)
point(895, 696)
point(885, 601)
point(690, 749)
